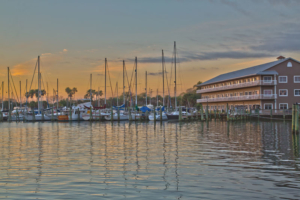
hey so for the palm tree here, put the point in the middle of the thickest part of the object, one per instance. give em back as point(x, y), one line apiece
point(89, 92)
point(74, 90)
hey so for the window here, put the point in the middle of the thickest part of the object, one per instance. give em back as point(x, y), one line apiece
point(241, 94)
point(267, 92)
point(256, 92)
point(297, 92)
point(296, 79)
point(267, 79)
point(283, 106)
point(283, 92)
point(254, 79)
point(268, 106)
point(282, 79)
point(289, 64)
point(250, 93)
point(246, 93)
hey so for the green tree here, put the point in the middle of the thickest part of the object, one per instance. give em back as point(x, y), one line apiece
point(89, 93)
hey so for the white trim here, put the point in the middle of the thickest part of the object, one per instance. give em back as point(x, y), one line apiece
point(268, 104)
point(267, 81)
point(295, 80)
point(287, 93)
point(295, 92)
point(287, 105)
point(282, 76)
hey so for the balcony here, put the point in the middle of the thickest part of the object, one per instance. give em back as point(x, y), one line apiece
point(239, 98)
point(239, 85)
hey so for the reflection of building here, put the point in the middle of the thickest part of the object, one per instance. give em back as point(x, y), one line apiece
point(274, 85)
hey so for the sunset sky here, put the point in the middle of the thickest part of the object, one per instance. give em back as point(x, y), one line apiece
point(74, 37)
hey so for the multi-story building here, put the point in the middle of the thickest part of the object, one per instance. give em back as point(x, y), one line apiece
point(274, 85)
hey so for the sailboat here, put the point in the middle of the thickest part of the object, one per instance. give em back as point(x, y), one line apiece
point(174, 115)
point(123, 116)
point(157, 113)
point(37, 116)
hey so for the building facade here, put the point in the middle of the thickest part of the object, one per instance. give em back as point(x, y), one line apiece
point(274, 85)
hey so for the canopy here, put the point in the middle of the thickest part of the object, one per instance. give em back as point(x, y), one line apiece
point(144, 109)
point(162, 108)
point(120, 107)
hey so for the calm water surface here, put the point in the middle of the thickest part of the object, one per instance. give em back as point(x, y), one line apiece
point(215, 160)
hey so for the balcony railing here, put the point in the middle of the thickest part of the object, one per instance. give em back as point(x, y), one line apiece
point(239, 85)
point(238, 98)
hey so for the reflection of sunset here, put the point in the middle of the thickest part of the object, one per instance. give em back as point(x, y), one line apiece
point(140, 159)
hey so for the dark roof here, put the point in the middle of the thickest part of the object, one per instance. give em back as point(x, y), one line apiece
point(256, 70)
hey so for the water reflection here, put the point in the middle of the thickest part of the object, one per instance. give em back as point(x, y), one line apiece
point(215, 159)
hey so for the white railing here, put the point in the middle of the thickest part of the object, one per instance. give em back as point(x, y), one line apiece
point(238, 85)
point(238, 98)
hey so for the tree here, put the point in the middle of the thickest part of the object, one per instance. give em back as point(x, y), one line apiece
point(89, 93)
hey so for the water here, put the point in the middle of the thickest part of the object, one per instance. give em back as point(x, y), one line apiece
point(215, 160)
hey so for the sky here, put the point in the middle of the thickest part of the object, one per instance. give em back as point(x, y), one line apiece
point(74, 37)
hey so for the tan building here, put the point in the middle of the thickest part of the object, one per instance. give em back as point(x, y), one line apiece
point(274, 85)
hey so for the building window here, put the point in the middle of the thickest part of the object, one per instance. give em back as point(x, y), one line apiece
point(282, 79)
point(255, 92)
point(297, 92)
point(254, 79)
point(283, 106)
point(267, 79)
point(241, 94)
point(250, 93)
point(296, 79)
point(267, 92)
point(283, 92)
point(268, 106)
point(289, 64)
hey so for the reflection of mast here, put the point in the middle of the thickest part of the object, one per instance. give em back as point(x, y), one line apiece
point(91, 150)
point(176, 159)
point(165, 161)
point(125, 157)
point(137, 150)
point(40, 160)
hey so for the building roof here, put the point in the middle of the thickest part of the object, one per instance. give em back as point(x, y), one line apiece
point(256, 70)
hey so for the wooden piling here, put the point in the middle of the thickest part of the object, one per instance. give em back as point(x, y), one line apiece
point(206, 113)
point(33, 116)
point(118, 112)
point(43, 116)
point(1, 116)
point(78, 115)
point(100, 115)
point(296, 117)
point(283, 114)
point(111, 114)
point(293, 117)
point(271, 113)
point(91, 114)
point(160, 113)
point(201, 112)
point(130, 116)
point(180, 114)
point(52, 116)
point(70, 115)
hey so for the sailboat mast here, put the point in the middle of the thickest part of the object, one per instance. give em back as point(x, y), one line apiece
point(123, 82)
point(98, 97)
point(91, 88)
point(26, 95)
point(20, 95)
point(57, 95)
point(146, 87)
point(163, 76)
point(38, 97)
point(156, 97)
point(2, 93)
point(47, 96)
point(135, 80)
point(175, 75)
point(8, 91)
point(105, 82)
point(117, 95)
